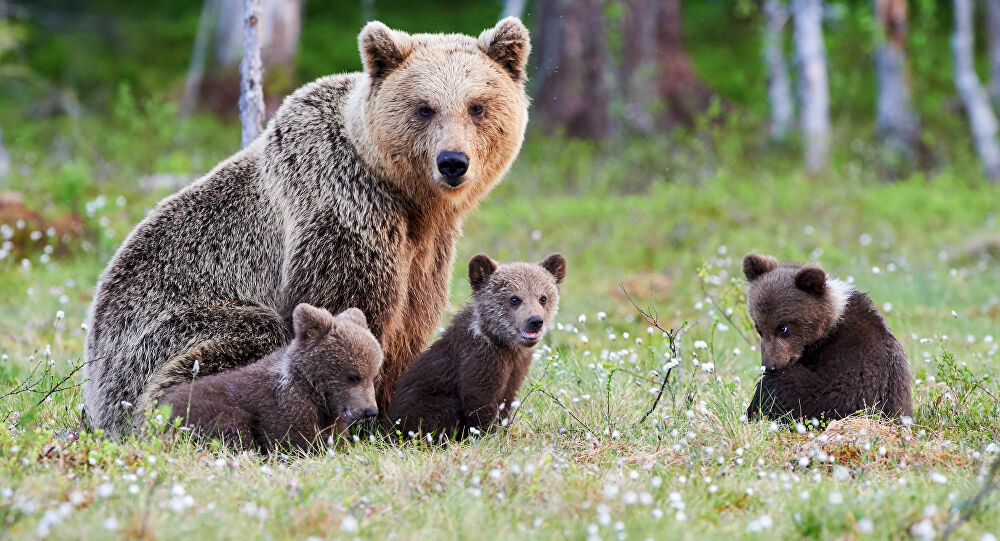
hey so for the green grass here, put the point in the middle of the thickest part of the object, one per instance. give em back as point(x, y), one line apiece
point(637, 213)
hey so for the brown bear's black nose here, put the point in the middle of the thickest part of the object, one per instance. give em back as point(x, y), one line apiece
point(453, 165)
point(370, 412)
point(535, 323)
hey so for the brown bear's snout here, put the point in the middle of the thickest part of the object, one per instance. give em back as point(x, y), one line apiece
point(535, 323)
point(370, 412)
point(452, 165)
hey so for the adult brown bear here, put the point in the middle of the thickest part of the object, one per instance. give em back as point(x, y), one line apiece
point(353, 197)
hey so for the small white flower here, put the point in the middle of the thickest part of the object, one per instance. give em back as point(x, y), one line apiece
point(866, 526)
point(111, 524)
point(601, 316)
point(938, 478)
point(835, 498)
point(923, 529)
point(349, 524)
point(105, 490)
point(700, 344)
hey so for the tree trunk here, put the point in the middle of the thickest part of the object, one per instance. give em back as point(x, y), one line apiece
point(814, 91)
point(895, 120)
point(198, 56)
point(639, 64)
point(4, 162)
point(685, 95)
point(368, 10)
point(572, 64)
point(251, 74)
point(993, 37)
point(779, 88)
point(513, 8)
point(977, 105)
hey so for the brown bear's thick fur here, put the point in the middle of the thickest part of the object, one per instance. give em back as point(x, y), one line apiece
point(826, 350)
point(300, 394)
point(341, 202)
point(473, 372)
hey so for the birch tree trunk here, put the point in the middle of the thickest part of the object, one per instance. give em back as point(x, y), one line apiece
point(814, 91)
point(572, 65)
point(639, 64)
point(368, 10)
point(993, 37)
point(896, 122)
point(779, 88)
point(4, 162)
point(982, 121)
point(513, 8)
point(251, 74)
point(199, 53)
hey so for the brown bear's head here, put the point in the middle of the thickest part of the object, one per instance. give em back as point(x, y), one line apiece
point(514, 302)
point(338, 358)
point(441, 115)
point(792, 306)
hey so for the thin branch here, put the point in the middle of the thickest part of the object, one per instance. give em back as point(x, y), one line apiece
point(58, 387)
point(972, 505)
point(567, 410)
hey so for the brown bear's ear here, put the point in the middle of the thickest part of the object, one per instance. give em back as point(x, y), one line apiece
point(311, 322)
point(755, 265)
point(556, 265)
point(354, 315)
point(481, 267)
point(811, 279)
point(383, 49)
point(508, 44)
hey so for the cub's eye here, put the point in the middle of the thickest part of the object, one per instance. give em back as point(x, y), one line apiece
point(476, 110)
point(543, 299)
point(354, 378)
point(426, 111)
point(783, 330)
point(514, 301)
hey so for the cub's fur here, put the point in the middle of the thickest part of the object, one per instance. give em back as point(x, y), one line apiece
point(473, 372)
point(314, 387)
point(343, 201)
point(826, 350)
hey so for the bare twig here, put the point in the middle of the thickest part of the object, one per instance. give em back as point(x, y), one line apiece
point(567, 410)
point(970, 506)
point(58, 386)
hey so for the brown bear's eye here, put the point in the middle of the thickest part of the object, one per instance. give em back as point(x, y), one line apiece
point(514, 301)
point(782, 330)
point(426, 111)
point(476, 110)
point(354, 378)
point(543, 299)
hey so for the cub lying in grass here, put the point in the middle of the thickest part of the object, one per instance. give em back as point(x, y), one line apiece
point(826, 350)
point(473, 372)
point(300, 394)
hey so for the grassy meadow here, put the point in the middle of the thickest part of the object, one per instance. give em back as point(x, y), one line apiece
point(575, 461)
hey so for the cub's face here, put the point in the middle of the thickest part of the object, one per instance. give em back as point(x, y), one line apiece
point(339, 357)
point(445, 114)
point(515, 302)
point(791, 307)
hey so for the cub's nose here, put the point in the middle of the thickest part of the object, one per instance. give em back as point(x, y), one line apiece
point(370, 412)
point(535, 323)
point(453, 165)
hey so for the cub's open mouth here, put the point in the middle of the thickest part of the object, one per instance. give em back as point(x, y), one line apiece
point(530, 335)
point(346, 414)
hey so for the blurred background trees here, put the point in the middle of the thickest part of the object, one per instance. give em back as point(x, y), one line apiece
point(908, 84)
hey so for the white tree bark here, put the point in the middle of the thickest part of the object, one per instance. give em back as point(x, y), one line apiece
point(896, 122)
point(280, 28)
point(209, 11)
point(251, 74)
point(814, 91)
point(368, 10)
point(982, 120)
point(993, 37)
point(779, 89)
point(4, 162)
point(513, 8)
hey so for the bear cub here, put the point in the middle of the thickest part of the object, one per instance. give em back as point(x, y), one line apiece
point(313, 388)
point(827, 352)
point(466, 379)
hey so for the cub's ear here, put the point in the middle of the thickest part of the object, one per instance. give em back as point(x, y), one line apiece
point(310, 322)
point(481, 267)
point(354, 315)
point(383, 49)
point(556, 265)
point(755, 265)
point(508, 44)
point(811, 279)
